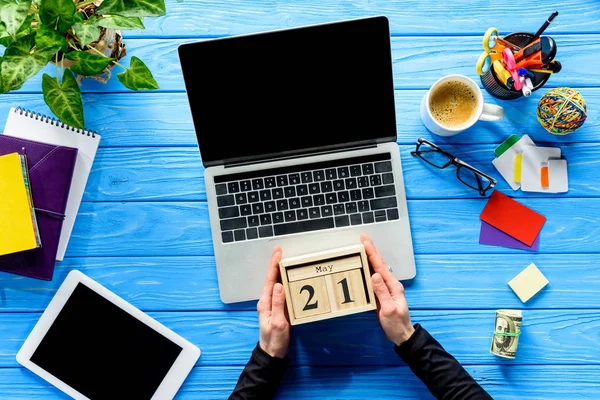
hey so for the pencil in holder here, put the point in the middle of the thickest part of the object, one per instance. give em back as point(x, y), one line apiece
point(494, 85)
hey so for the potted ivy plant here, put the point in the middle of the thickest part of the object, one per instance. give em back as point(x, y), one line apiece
point(80, 37)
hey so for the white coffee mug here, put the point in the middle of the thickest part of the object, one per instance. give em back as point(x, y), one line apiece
point(484, 112)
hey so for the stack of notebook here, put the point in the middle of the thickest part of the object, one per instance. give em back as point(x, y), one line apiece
point(44, 167)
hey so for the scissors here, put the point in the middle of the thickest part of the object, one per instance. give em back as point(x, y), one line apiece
point(492, 51)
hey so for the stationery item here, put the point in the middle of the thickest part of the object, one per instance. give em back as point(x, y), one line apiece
point(50, 172)
point(505, 162)
point(455, 103)
point(544, 177)
point(511, 66)
point(534, 158)
point(537, 54)
point(512, 218)
point(526, 73)
point(524, 87)
point(558, 179)
point(503, 74)
point(32, 126)
point(506, 43)
point(553, 68)
point(544, 26)
point(518, 167)
point(18, 225)
point(507, 329)
point(470, 176)
point(492, 51)
point(92, 344)
point(495, 237)
point(507, 144)
point(528, 282)
point(562, 111)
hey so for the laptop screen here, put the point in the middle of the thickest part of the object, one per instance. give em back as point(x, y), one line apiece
point(292, 91)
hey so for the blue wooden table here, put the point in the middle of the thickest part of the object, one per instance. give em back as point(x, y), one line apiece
point(143, 228)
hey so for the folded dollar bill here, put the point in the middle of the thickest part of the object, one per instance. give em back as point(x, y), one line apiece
point(507, 330)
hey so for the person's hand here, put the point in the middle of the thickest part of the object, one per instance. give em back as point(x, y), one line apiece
point(272, 317)
point(392, 309)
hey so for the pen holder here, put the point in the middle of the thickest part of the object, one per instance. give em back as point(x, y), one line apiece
point(496, 88)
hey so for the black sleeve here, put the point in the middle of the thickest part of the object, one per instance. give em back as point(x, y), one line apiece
point(445, 378)
point(260, 378)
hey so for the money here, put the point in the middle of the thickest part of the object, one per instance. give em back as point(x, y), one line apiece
point(506, 333)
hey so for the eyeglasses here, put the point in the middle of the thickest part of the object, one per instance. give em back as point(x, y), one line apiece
point(465, 173)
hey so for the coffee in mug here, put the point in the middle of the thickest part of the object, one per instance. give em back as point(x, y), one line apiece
point(454, 103)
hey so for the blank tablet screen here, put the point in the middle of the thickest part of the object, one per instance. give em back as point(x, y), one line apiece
point(102, 351)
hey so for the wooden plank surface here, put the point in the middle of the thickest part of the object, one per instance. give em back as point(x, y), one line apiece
point(177, 174)
point(227, 338)
point(164, 119)
point(143, 228)
point(417, 62)
point(504, 381)
point(438, 227)
point(444, 281)
point(221, 17)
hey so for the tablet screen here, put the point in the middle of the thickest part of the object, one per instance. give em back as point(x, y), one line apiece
point(102, 351)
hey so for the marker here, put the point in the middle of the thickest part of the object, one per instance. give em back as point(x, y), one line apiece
point(524, 72)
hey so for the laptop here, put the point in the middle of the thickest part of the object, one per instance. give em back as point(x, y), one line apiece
point(297, 132)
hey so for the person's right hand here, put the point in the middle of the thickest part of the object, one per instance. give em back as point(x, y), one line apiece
point(392, 309)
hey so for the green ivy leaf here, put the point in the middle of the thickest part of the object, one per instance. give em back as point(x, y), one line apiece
point(46, 38)
point(57, 14)
point(13, 14)
point(87, 64)
point(21, 63)
point(25, 29)
point(138, 76)
point(123, 23)
point(78, 18)
point(1, 85)
point(64, 100)
point(87, 32)
point(132, 8)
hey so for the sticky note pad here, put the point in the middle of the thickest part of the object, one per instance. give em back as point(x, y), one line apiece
point(495, 237)
point(512, 218)
point(506, 159)
point(534, 158)
point(558, 178)
point(544, 176)
point(528, 282)
point(507, 144)
point(518, 164)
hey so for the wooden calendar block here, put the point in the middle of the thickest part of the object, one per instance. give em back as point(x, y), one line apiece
point(309, 297)
point(327, 284)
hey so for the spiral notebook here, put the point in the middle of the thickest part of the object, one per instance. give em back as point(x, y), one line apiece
point(29, 125)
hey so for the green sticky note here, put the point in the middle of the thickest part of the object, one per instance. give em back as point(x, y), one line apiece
point(507, 144)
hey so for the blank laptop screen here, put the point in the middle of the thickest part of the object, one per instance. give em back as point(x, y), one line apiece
point(291, 91)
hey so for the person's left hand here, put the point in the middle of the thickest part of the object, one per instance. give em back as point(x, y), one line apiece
point(274, 325)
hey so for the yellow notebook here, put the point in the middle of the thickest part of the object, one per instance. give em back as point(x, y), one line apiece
point(18, 225)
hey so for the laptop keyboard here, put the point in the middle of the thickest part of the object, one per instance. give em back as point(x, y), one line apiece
point(308, 197)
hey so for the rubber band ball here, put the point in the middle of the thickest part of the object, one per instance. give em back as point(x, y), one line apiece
point(561, 111)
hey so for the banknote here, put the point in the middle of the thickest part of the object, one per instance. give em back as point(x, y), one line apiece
point(506, 333)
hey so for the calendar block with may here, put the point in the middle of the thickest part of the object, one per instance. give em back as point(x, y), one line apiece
point(327, 284)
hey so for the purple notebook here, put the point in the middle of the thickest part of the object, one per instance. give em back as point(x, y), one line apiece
point(50, 173)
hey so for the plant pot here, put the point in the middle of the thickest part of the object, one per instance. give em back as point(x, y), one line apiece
point(111, 45)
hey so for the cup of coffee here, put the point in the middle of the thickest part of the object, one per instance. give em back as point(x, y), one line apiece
point(454, 103)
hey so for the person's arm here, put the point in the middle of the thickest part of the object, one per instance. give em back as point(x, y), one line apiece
point(443, 375)
point(261, 376)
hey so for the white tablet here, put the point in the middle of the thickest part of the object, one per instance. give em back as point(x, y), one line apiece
point(92, 344)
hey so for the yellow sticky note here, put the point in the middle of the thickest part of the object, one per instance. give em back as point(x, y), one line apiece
point(518, 165)
point(528, 282)
point(17, 221)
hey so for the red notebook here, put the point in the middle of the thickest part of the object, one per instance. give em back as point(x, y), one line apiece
point(512, 218)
